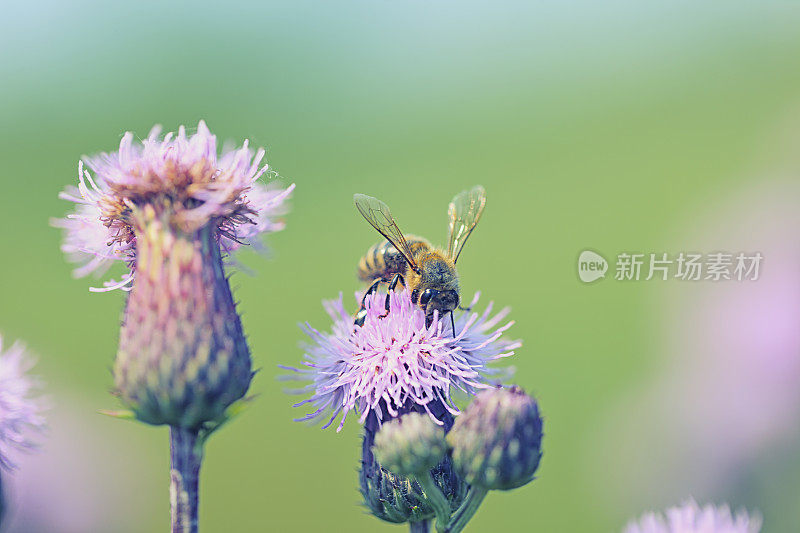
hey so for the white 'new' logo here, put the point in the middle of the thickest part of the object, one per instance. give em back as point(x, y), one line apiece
point(591, 266)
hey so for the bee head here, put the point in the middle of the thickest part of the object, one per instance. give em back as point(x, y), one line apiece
point(443, 301)
point(436, 288)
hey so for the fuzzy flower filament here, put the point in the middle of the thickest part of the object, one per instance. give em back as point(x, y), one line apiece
point(395, 361)
point(180, 175)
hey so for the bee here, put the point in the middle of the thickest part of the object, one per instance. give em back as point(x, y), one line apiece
point(428, 272)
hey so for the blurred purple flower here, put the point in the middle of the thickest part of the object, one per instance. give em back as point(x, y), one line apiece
point(394, 361)
point(85, 479)
point(690, 518)
point(183, 173)
point(723, 394)
point(20, 413)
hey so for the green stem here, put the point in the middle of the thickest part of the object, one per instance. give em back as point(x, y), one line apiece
point(439, 503)
point(418, 527)
point(186, 455)
point(467, 510)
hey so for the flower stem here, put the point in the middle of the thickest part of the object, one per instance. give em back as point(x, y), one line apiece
point(186, 455)
point(418, 527)
point(439, 503)
point(467, 509)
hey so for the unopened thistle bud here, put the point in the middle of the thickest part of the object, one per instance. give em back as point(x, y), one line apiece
point(410, 445)
point(171, 209)
point(394, 497)
point(497, 440)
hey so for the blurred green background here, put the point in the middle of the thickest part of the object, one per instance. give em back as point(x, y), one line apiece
point(613, 128)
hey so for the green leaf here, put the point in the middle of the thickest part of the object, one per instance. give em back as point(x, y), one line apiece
point(122, 414)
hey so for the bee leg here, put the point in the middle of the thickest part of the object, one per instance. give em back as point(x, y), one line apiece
point(361, 315)
point(392, 285)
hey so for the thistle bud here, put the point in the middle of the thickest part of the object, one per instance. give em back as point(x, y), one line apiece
point(182, 357)
point(397, 498)
point(497, 441)
point(410, 445)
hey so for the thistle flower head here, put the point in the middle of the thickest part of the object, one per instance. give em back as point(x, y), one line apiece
point(497, 441)
point(171, 208)
point(396, 363)
point(691, 518)
point(20, 413)
point(410, 445)
point(184, 180)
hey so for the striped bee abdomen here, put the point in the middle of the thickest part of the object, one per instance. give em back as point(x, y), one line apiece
point(382, 260)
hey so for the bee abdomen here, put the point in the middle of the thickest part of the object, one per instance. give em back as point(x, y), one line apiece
point(367, 265)
point(382, 260)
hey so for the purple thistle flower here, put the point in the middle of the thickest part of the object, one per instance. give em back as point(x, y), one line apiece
point(171, 210)
point(691, 518)
point(395, 362)
point(20, 414)
point(182, 176)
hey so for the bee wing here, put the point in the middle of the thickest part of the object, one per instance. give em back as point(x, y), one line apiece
point(464, 211)
point(377, 213)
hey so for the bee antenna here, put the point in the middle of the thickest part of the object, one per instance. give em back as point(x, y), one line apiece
point(453, 322)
